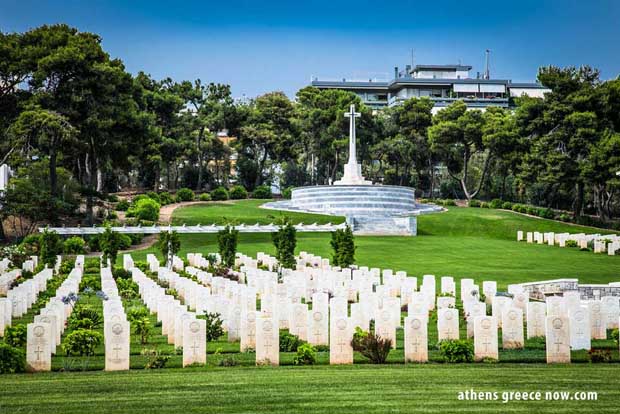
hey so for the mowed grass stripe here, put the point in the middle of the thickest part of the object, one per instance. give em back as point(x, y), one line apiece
point(411, 388)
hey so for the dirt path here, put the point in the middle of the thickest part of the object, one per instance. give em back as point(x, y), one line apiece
point(165, 217)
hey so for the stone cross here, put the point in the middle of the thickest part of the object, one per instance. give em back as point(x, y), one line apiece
point(352, 151)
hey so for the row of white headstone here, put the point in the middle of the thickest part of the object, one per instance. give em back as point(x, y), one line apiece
point(44, 334)
point(606, 243)
point(181, 326)
point(21, 298)
point(116, 329)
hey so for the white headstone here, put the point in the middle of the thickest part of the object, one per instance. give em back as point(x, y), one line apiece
point(117, 346)
point(267, 341)
point(558, 339)
point(485, 338)
point(194, 342)
point(38, 348)
point(512, 329)
point(416, 339)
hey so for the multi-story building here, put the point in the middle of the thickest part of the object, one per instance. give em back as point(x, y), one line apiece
point(443, 84)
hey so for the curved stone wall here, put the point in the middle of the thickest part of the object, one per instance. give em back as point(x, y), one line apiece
point(345, 200)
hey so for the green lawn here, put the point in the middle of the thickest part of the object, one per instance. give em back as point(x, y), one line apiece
point(246, 211)
point(319, 389)
point(462, 242)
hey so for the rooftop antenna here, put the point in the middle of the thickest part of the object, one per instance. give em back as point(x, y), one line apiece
point(487, 74)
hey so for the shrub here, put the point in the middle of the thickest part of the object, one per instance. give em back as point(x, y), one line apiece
point(614, 336)
point(306, 355)
point(74, 245)
point(155, 360)
point(16, 335)
point(219, 194)
point(474, 203)
point(484, 205)
point(112, 198)
point(571, 243)
point(168, 243)
point(137, 312)
point(136, 238)
point(51, 246)
point(142, 328)
point(127, 288)
point(287, 193)
point(546, 213)
point(31, 244)
point(205, 197)
point(165, 198)
point(12, 359)
point(289, 342)
point(372, 346)
point(285, 241)
point(145, 209)
point(227, 361)
point(456, 350)
point(185, 194)
point(214, 326)
point(227, 244)
point(124, 241)
point(507, 205)
point(85, 317)
point(449, 202)
point(565, 218)
point(262, 192)
point(532, 211)
point(599, 355)
point(93, 242)
point(343, 246)
point(238, 192)
point(496, 203)
point(82, 342)
point(154, 196)
point(122, 205)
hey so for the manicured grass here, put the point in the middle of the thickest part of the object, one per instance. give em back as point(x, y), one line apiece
point(246, 211)
point(462, 242)
point(319, 389)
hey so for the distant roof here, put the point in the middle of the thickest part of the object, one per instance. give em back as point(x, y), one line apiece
point(441, 67)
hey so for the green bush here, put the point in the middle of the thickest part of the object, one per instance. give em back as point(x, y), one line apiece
point(137, 312)
point(205, 197)
point(155, 360)
point(82, 342)
point(571, 243)
point(238, 192)
point(85, 317)
point(154, 196)
point(507, 205)
point(12, 359)
point(262, 192)
point(496, 203)
point(484, 205)
point(546, 213)
point(565, 218)
point(474, 203)
point(372, 346)
point(127, 288)
point(74, 245)
point(285, 241)
point(112, 198)
point(614, 336)
point(343, 246)
point(532, 211)
point(456, 350)
point(122, 205)
point(306, 355)
point(93, 242)
point(16, 335)
point(214, 326)
point(219, 194)
point(449, 202)
point(51, 247)
point(165, 198)
point(31, 244)
point(142, 327)
point(227, 240)
point(289, 342)
point(136, 238)
point(287, 193)
point(145, 209)
point(185, 194)
point(599, 355)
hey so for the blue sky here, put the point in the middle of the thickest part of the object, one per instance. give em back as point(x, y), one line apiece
point(260, 46)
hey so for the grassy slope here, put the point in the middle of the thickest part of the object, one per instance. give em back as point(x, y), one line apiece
point(320, 389)
point(463, 242)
